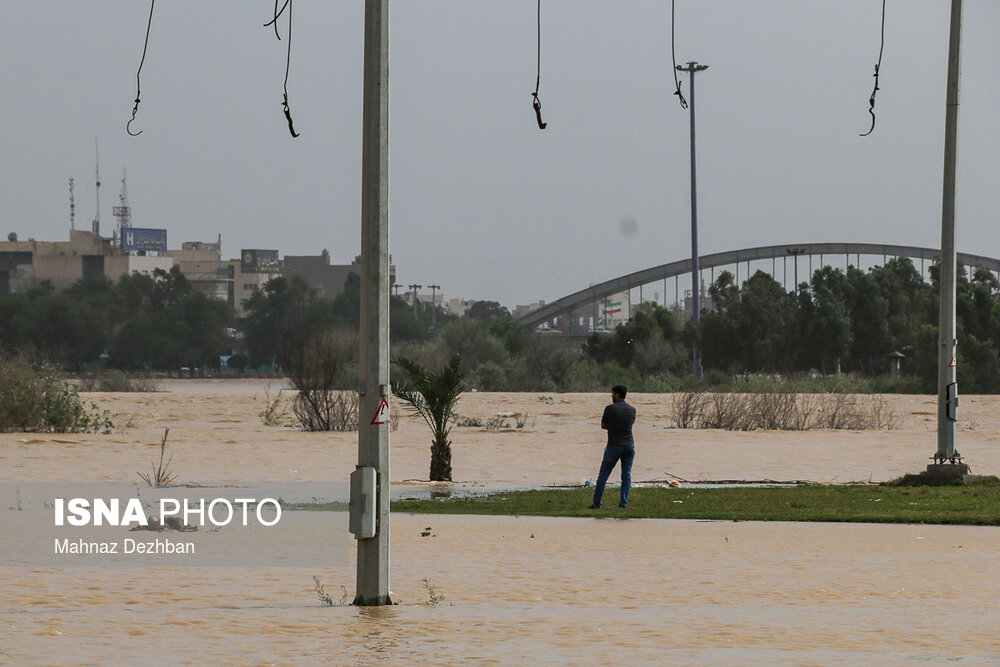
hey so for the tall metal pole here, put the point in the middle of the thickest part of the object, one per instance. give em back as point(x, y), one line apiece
point(415, 287)
point(434, 289)
point(691, 68)
point(947, 372)
point(373, 439)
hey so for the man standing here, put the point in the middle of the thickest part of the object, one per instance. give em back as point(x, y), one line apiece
point(617, 421)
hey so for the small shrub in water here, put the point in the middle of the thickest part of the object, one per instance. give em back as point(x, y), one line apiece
point(115, 381)
point(42, 401)
point(461, 421)
point(496, 423)
point(317, 366)
point(433, 597)
point(160, 475)
point(274, 412)
point(324, 597)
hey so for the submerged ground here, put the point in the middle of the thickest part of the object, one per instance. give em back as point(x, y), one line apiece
point(519, 588)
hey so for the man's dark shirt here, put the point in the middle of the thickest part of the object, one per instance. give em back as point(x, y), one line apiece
point(618, 418)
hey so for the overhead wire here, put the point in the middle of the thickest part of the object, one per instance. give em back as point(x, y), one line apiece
point(288, 58)
point(673, 56)
point(535, 102)
point(878, 65)
point(135, 109)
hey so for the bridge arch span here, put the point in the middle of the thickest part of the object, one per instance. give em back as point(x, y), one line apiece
point(595, 293)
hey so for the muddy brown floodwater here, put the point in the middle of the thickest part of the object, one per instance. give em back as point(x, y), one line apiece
point(519, 590)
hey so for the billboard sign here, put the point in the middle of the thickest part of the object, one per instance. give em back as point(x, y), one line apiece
point(136, 239)
point(259, 261)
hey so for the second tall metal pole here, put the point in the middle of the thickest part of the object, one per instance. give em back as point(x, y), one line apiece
point(691, 68)
point(373, 438)
point(947, 360)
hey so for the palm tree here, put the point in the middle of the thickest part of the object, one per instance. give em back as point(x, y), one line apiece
point(433, 396)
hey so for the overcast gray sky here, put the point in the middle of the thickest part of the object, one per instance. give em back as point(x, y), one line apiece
point(482, 202)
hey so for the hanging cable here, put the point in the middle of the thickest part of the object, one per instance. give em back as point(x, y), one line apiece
point(871, 100)
point(274, 21)
point(135, 109)
point(673, 56)
point(288, 57)
point(535, 103)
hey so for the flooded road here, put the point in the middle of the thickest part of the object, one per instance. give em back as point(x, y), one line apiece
point(518, 590)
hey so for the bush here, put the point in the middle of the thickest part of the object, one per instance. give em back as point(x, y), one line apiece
point(659, 384)
point(778, 409)
point(42, 401)
point(317, 367)
point(324, 410)
point(115, 381)
point(490, 376)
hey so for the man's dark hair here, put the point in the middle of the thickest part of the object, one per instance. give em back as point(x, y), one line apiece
point(619, 390)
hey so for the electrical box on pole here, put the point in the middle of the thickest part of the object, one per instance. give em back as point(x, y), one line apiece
point(363, 492)
point(951, 402)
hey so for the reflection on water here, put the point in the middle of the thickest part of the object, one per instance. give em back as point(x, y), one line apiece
point(376, 629)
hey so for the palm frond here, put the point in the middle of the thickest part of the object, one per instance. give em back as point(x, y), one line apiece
point(431, 395)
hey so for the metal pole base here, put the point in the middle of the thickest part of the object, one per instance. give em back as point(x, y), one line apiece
point(377, 601)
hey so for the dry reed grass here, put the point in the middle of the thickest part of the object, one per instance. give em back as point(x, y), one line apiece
point(782, 411)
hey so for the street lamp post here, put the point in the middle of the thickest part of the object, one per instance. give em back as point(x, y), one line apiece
point(691, 68)
point(415, 288)
point(947, 461)
point(434, 289)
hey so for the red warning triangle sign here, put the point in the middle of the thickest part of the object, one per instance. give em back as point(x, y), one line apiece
point(954, 360)
point(382, 414)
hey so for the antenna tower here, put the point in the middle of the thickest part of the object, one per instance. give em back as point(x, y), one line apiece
point(124, 211)
point(96, 225)
point(72, 207)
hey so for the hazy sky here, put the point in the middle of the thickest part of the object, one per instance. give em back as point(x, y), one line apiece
point(482, 202)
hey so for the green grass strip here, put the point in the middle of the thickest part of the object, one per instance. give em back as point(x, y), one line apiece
point(969, 504)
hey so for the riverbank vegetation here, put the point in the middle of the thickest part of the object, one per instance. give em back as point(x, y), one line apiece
point(831, 334)
point(34, 397)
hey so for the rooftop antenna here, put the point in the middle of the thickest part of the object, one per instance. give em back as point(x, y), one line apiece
point(72, 207)
point(96, 225)
point(124, 211)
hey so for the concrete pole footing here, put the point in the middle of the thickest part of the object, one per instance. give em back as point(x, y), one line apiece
point(948, 471)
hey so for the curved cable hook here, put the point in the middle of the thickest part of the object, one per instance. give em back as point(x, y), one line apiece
point(871, 100)
point(537, 106)
point(871, 105)
point(288, 116)
point(128, 125)
point(135, 109)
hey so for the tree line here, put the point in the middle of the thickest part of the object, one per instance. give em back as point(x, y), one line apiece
point(850, 320)
point(140, 322)
point(837, 322)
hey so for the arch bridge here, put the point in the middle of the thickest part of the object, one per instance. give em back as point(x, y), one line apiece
point(584, 303)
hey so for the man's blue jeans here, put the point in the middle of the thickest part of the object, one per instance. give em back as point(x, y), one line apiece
point(613, 454)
